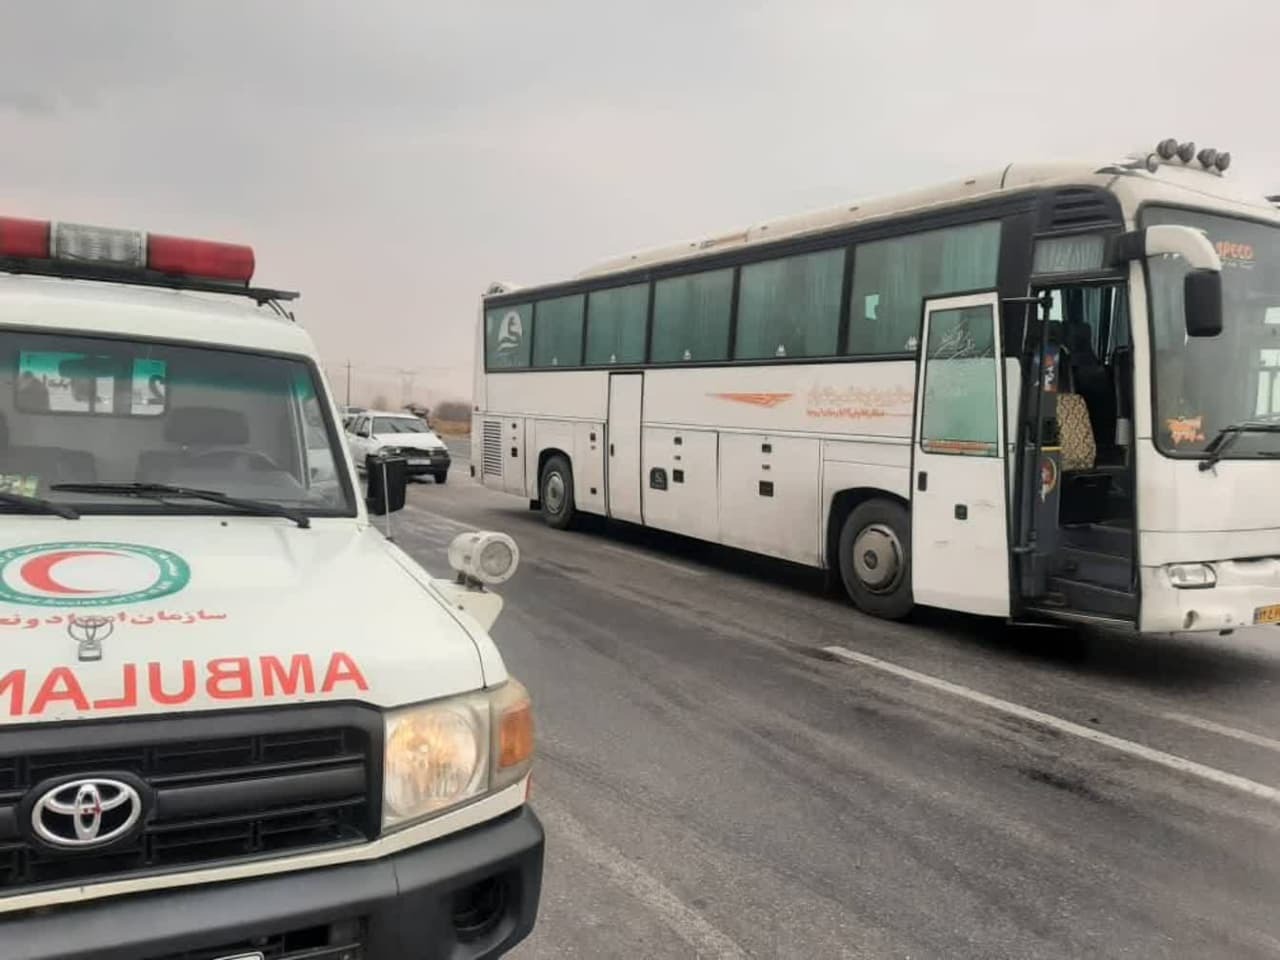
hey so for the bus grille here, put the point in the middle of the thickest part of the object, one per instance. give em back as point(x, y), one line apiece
point(282, 785)
point(491, 459)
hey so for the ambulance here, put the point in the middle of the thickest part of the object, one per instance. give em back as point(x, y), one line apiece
point(237, 722)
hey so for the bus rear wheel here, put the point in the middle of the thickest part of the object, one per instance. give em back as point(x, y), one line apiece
point(555, 491)
point(875, 558)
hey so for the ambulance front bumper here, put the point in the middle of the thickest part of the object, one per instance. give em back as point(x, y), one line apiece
point(466, 896)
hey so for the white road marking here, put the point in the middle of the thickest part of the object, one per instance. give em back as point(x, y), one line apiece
point(640, 555)
point(706, 939)
point(1173, 762)
point(1256, 739)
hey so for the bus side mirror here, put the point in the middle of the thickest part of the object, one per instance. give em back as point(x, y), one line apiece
point(388, 482)
point(1202, 286)
point(1202, 303)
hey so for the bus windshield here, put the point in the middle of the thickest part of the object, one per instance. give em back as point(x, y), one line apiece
point(1205, 384)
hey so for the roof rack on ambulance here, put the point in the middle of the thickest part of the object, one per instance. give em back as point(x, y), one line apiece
point(79, 251)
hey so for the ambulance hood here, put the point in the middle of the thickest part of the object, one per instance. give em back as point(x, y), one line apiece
point(204, 613)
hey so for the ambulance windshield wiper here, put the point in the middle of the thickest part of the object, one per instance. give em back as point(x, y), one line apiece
point(38, 505)
point(1221, 443)
point(165, 491)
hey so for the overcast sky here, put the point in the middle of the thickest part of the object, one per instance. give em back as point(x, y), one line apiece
point(390, 159)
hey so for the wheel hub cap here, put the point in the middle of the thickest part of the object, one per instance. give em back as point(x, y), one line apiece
point(554, 493)
point(877, 558)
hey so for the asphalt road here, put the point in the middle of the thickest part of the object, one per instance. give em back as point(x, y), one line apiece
point(717, 782)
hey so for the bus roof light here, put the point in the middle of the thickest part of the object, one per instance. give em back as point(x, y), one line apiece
point(1223, 161)
point(1187, 151)
point(1208, 158)
point(25, 239)
point(200, 258)
point(1168, 149)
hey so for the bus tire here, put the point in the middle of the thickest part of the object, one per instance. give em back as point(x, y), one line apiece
point(555, 492)
point(875, 558)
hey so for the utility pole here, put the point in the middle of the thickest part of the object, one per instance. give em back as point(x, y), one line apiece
point(406, 385)
point(348, 383)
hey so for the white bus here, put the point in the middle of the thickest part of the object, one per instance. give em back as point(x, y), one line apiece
point(1050, 391)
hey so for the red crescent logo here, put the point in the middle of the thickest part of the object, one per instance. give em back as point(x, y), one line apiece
point(38, 571)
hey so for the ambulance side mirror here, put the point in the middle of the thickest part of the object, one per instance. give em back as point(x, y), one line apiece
point(388, 481)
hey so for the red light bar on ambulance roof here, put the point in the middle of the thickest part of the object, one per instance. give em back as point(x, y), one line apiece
point(28, 239)
point(200, 258)
point(125, 250)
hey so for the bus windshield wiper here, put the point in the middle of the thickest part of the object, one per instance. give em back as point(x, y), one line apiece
point(165, 491)
point(38, 505)
point(1227, 436)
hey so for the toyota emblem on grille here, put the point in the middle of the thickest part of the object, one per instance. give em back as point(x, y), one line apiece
point(83, 813)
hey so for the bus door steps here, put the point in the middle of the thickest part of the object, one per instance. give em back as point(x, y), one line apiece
point(1104, 538)
point(1091, 566)
point(1090, 597)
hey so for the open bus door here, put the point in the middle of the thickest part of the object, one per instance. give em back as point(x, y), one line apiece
point(959, 512)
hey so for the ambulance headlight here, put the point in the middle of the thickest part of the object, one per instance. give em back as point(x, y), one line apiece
point(442, 754)
point(484, 557)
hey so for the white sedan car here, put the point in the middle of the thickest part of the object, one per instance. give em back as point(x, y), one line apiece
point(376, 432)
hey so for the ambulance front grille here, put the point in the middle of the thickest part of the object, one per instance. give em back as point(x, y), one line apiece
point(274, 785)
point(491, 455)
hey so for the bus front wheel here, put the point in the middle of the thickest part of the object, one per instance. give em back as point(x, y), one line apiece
point(555, 490)
point(875, 558)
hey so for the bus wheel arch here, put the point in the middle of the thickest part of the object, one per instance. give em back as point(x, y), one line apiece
point(869, 545)
point(555, 488)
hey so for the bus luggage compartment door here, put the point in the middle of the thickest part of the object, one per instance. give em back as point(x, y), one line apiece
point(959, 517)
point(622, 463)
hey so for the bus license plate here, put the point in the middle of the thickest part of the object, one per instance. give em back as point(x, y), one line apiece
point(1269, 614)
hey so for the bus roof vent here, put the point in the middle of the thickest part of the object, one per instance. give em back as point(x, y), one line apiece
point(1081, 208)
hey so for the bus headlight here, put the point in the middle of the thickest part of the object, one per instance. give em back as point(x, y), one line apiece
point(441, 754)
point(1192, 576)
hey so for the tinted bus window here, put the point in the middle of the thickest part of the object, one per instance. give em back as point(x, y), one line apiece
point(892, 279)
point(791, 307)
point(691, 317)
point(506, 337)
point(615, 324)
point(557, 339)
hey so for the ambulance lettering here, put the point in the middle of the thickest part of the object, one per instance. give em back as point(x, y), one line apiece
point(227, 678)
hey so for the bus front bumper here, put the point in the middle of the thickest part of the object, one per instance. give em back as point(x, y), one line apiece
point(1244, 593)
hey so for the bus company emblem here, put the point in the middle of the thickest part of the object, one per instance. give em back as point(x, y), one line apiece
point(754, 399)
point(1185, 430)
point(1048, 477)
point(512, 333)
point(89, 574)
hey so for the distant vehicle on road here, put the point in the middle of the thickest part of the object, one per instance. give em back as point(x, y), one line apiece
point(349, 415)
point(1090, 435)
point(378, 432)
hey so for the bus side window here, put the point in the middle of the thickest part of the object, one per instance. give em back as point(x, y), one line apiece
point(691, 318)
point(892, 279)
